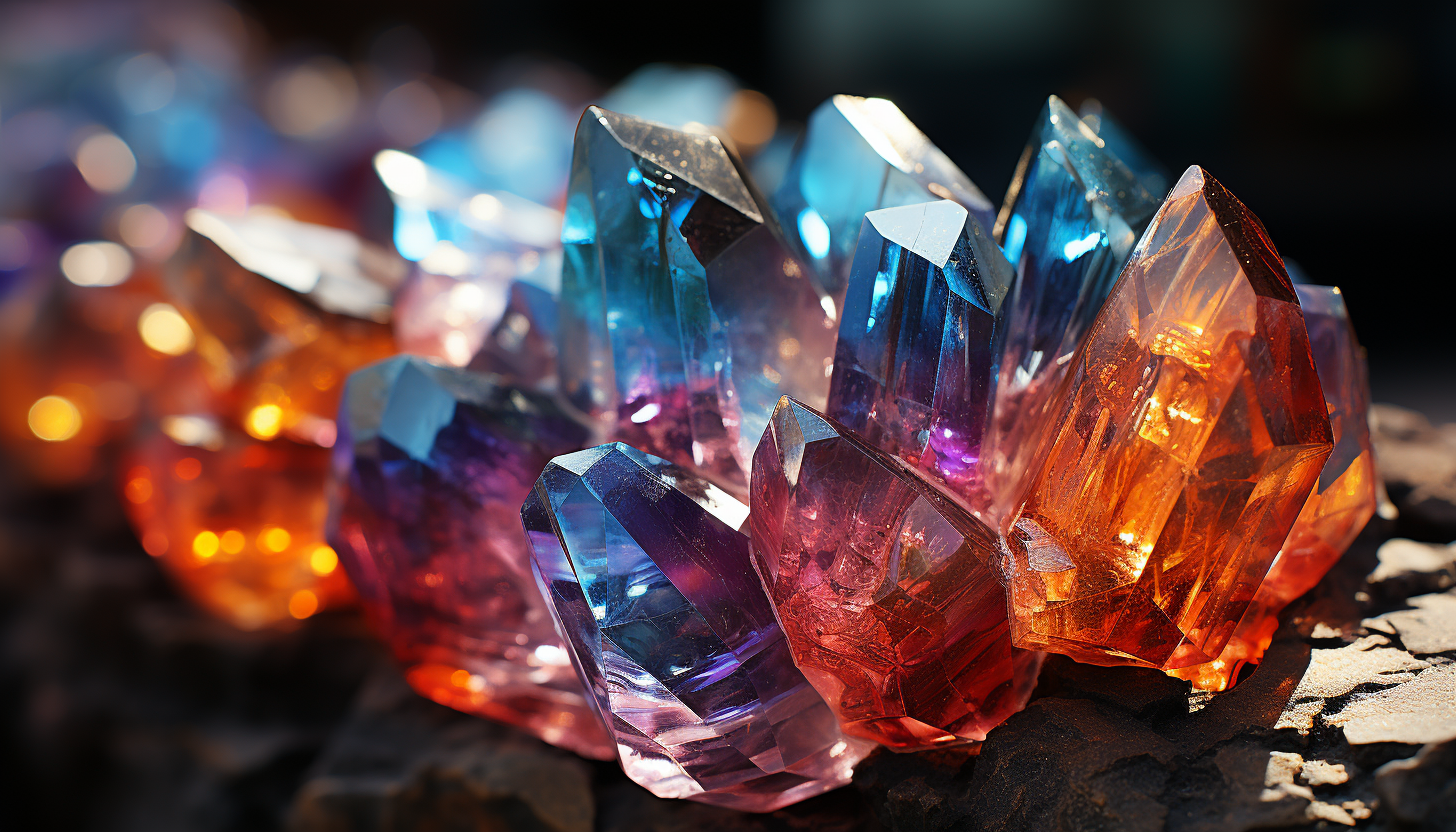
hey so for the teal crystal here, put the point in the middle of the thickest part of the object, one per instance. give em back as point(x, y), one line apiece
point(858, 155)
point(1120, 143)
point(1070, 220)
point(684, 316)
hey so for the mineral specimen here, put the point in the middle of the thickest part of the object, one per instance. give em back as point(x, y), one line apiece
point(1189, 432)
point(915, 365)
point(886, 588)
point(431, 468)
point(650, 581)
point(1120, 143)
point(1071, 217)
point(683, 315)
point(1337, 509)
point(860, 154)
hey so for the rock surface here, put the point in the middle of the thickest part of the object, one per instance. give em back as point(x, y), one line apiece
point(125, 709)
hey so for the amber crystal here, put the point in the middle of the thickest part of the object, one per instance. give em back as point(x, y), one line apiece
point(238, 522)
point(886, 588)
point(1186, 436)
point(1338, 507)
point(282, 311)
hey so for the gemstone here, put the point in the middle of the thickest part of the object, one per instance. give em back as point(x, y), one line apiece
point(237, 522)
point(915, 365)
point(1337, 509)
point(431, 472)
point(860, 154)
point(649, 579)
point(1121, 143)
point(281, 312)
point(1183, 442)
point(683, 317)
point(1071, 217)
point(886, 588)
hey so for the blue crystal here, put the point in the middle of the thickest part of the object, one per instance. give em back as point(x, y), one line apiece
point(915, 366)
point(860, 154)
point(1120, 143)
point(684, 317)
point(522, 346)
point(652, 587)
point(1071, 217)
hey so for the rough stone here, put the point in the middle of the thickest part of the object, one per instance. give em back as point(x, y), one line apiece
point(1418, 463)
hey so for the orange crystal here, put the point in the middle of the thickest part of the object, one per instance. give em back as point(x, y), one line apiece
point(1338, 507)
point(1186, 436)
point(238, 522)
point(283, 311)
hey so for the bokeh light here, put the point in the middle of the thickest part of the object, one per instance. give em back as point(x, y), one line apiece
point(54, 419)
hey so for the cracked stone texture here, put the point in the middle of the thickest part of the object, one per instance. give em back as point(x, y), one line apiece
point(122, 708)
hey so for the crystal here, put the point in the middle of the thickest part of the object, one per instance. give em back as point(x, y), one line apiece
point(684, 317)
point(650, 581)
point(1071, 217)
point(1337, 509)
point(886, 588)
point(522, 346)
point(674, 95)
point(1183, 442)
point(431, 470)
point(915, 365)
point(281, 312)
point(860, 154)
point(237, 522)
point(1120, 143)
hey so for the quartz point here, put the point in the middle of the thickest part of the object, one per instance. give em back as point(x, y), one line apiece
point(1072, 215)
point(1121, 143)
point(858, 155)
point(650, 582)
point(237, 522)
point(431, 468)
point(683, 315)
point(915, 365)
point(1187, 435)
point(282, 311)
point(1343, 500)
point(886, 587)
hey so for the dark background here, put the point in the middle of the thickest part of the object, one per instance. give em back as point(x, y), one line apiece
point(1331, 120)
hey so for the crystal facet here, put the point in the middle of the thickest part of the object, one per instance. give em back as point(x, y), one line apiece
point(1342, 502)
point(1071, 217)
point(650, 581)
point(683, 315)
point(238, 522)
point(1120, 143)
point(431, 468)
point(860, 154)
point(886, 588)
point(915, 365)
point(1187, 435)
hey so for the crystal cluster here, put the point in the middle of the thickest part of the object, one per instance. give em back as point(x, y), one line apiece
point(684, 316)
point(1189, 432)
point(1336, 510)
point(1071, 216)
point(432, 466)
point(859, 155)
point(915, 365)
point(887, 589)
point(649, 578)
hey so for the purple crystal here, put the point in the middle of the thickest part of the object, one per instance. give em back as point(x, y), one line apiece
point(652, 586)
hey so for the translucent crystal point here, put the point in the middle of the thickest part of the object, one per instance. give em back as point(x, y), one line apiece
point(650, 582)
point(1337, 509)
point(915, 365)
point(1071, 217)
point(860, 154)
point(1120, 143)
point(886, 588)
point(431, 470)
point(1189, 433)
point(684, 317)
